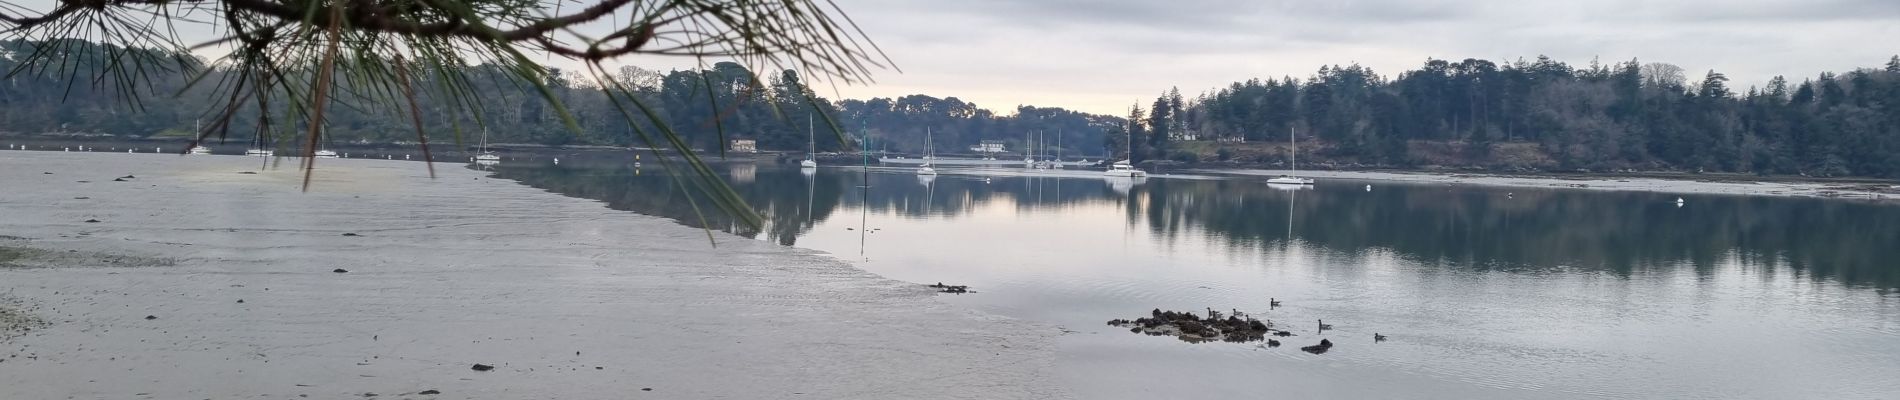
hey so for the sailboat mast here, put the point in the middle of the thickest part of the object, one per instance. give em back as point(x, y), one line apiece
point(811, 134)
point(1296, 150)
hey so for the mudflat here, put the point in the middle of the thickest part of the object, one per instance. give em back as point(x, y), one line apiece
point(189, 277)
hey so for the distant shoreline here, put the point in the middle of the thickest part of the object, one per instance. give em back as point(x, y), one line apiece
point(1864, 188)
point(1861, 189)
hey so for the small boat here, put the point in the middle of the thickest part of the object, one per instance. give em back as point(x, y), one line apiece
point(199, 150)
point(811, 132)
point(1294, 162)
point(929, 154)
point(486, 155)
point(1124, 169)
point(325, 152)
point(260, 152)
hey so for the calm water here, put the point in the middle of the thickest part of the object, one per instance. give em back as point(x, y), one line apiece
point(1546, 293)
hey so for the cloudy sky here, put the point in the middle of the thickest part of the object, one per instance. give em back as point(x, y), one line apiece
point(1105, 55)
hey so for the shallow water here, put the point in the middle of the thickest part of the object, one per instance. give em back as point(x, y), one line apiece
point(1486, 292)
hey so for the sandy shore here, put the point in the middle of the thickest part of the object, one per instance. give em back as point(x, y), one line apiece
point(566, 298)
point(1736, 187)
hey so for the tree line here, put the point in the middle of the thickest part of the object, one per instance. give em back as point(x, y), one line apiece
point(1627, 115)
point(707, 107)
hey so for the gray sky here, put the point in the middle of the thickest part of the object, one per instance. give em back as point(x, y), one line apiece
point(1105, 55)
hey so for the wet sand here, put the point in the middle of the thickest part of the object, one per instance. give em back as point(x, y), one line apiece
point(564, 297)
point(1722, 185)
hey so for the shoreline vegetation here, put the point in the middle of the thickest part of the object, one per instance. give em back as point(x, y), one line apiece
point(1541, 114)
point(219, 269)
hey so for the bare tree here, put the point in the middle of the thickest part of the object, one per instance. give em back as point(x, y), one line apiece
point(1663, 75)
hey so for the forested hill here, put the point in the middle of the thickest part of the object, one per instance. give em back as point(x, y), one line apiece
point(1539, 114)
point(768, 109)
point(1547, 114)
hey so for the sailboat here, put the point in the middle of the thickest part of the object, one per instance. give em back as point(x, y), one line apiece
point(1125, 168)
point(259, 147)
point(486, 155)
point(811, 131)
point(930, 153)
point(1294, 162)
point(1029, 149)
point(196, 148)
point(325, 151)
point(1058, 160)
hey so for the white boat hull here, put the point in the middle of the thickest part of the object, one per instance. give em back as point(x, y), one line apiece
point(1287, 180)
point(808, 164)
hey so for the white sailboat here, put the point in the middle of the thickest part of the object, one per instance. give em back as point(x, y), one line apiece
point(1057, 162)
point(811, 132)
point(1029, 149)
point(196, 149)
point(486, 155)
point(259, 148)
point(1125, 168)
point(1294, 162)
point(930, 153)
point(325, 151)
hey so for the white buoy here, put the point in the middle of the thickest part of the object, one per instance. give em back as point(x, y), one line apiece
point(1679, 201)
point(405, 156)
point(1368, 188)
point(557, 160)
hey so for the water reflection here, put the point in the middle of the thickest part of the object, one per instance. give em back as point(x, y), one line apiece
point(1472, 228)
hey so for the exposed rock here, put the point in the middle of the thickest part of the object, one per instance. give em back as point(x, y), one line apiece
point(1319, 348)
point(341, 271)
point(1192, 328)
point(483, 367)
point(430, 391)
point(958, 289)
